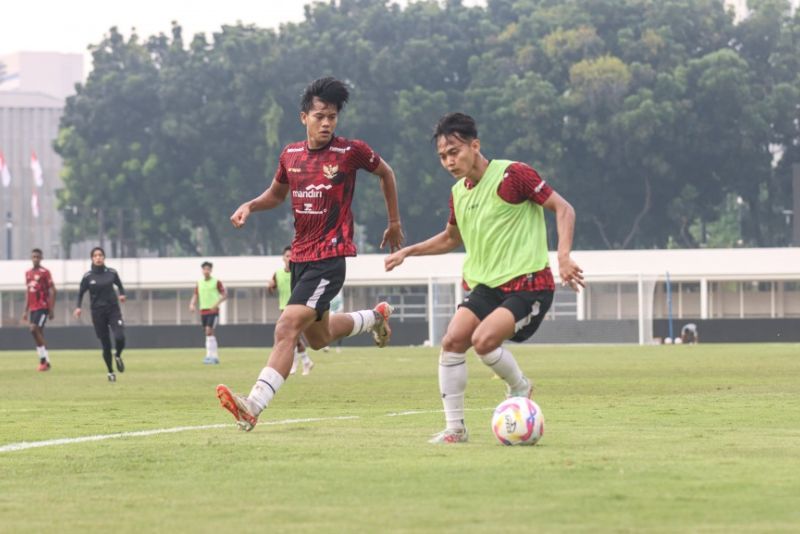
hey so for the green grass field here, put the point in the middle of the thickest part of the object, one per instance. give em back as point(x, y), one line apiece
point(689, 438)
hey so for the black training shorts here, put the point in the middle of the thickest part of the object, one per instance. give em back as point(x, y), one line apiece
point(106, 318)
point(39, 317)
point(528, 307)
point(209, 320)
point(315, 283)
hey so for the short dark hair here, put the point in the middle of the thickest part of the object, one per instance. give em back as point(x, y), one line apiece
point(207, 264)
point(287, 247)
point(459, 125)
point(95, 249)
point(37, 251)
point(328, 90)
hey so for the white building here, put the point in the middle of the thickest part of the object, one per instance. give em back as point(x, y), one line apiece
point(48, 73)
point(32, 98)
point(622, 287)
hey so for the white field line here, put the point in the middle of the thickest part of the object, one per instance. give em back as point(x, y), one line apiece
point(418, 412)
point(139, 433)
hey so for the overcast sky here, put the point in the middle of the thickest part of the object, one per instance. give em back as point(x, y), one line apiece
point(69, 26)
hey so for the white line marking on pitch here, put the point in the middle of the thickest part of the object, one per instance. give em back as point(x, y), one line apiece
point(24, 445)
point(417, 412)
point(100, 437)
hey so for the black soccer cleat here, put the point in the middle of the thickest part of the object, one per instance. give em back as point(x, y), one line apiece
point(120, 364)
point(112, 377)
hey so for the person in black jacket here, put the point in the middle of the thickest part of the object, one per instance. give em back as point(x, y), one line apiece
point(106, 314)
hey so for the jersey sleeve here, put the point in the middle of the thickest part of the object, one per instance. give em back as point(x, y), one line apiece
point(364, 157)
point(117, 282)
point(521, 182)
point(452, 218)
point(83, 288)
point(281, 176)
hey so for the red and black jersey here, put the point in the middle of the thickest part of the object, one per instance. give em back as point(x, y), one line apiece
point(322, 182)
point(39, 282)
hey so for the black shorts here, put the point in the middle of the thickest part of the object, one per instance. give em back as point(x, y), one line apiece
point(209, 320)
point(106, 318)
point(528, 307)
point(315, 283)
point(39, 317)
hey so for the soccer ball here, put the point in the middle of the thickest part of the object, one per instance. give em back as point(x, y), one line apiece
point(518, 421)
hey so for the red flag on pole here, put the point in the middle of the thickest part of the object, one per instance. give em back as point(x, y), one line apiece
point(37, 170)
point(5, 175)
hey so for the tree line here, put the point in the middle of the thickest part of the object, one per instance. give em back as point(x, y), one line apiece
point(663, 122)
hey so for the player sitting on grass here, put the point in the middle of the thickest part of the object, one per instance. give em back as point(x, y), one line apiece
point(496, 212)
point(320, 173)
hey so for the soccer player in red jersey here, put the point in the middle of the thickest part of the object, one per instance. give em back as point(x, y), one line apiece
point(41, 299)
point(319, 175)
point(496, 211)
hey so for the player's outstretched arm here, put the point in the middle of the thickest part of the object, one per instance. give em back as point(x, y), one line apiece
point(441, 243)
point(271, 198)
point(568, 271)
point(393, 236)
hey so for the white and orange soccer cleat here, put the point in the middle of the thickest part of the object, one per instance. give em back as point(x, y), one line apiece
point(237, 405)
point(382, 332)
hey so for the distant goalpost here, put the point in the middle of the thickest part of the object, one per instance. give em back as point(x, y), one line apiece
point(648, 285)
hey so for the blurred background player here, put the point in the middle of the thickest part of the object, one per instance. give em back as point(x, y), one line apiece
point(496, 213)
point(281, 282)
point(689, 333)
point(211, 293)
point(39, 304)
point(106, 313)
point(337, 306)
point(320, 173)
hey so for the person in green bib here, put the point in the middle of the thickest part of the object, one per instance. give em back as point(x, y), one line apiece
point(210, 293)
point(497, 213)
point(282, 283)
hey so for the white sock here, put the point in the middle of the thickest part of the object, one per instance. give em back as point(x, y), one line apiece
point(268, 383)
point(363, 321)
point(452, 384)
point(208, 347)
point(43, 353)
point(305, 358)
point(211, 345)
point(502, 362)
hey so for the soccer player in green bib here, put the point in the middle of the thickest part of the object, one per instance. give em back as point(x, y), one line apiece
point(282, 282)
point(210, 293)
point(496, 212)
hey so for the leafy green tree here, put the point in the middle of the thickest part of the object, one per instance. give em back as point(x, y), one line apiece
point(649, 116)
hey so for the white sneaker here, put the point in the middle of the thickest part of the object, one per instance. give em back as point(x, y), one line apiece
point(381, 332)
point(525, 391)
point(307, 367)
point(293, 370)
point(450, 435)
